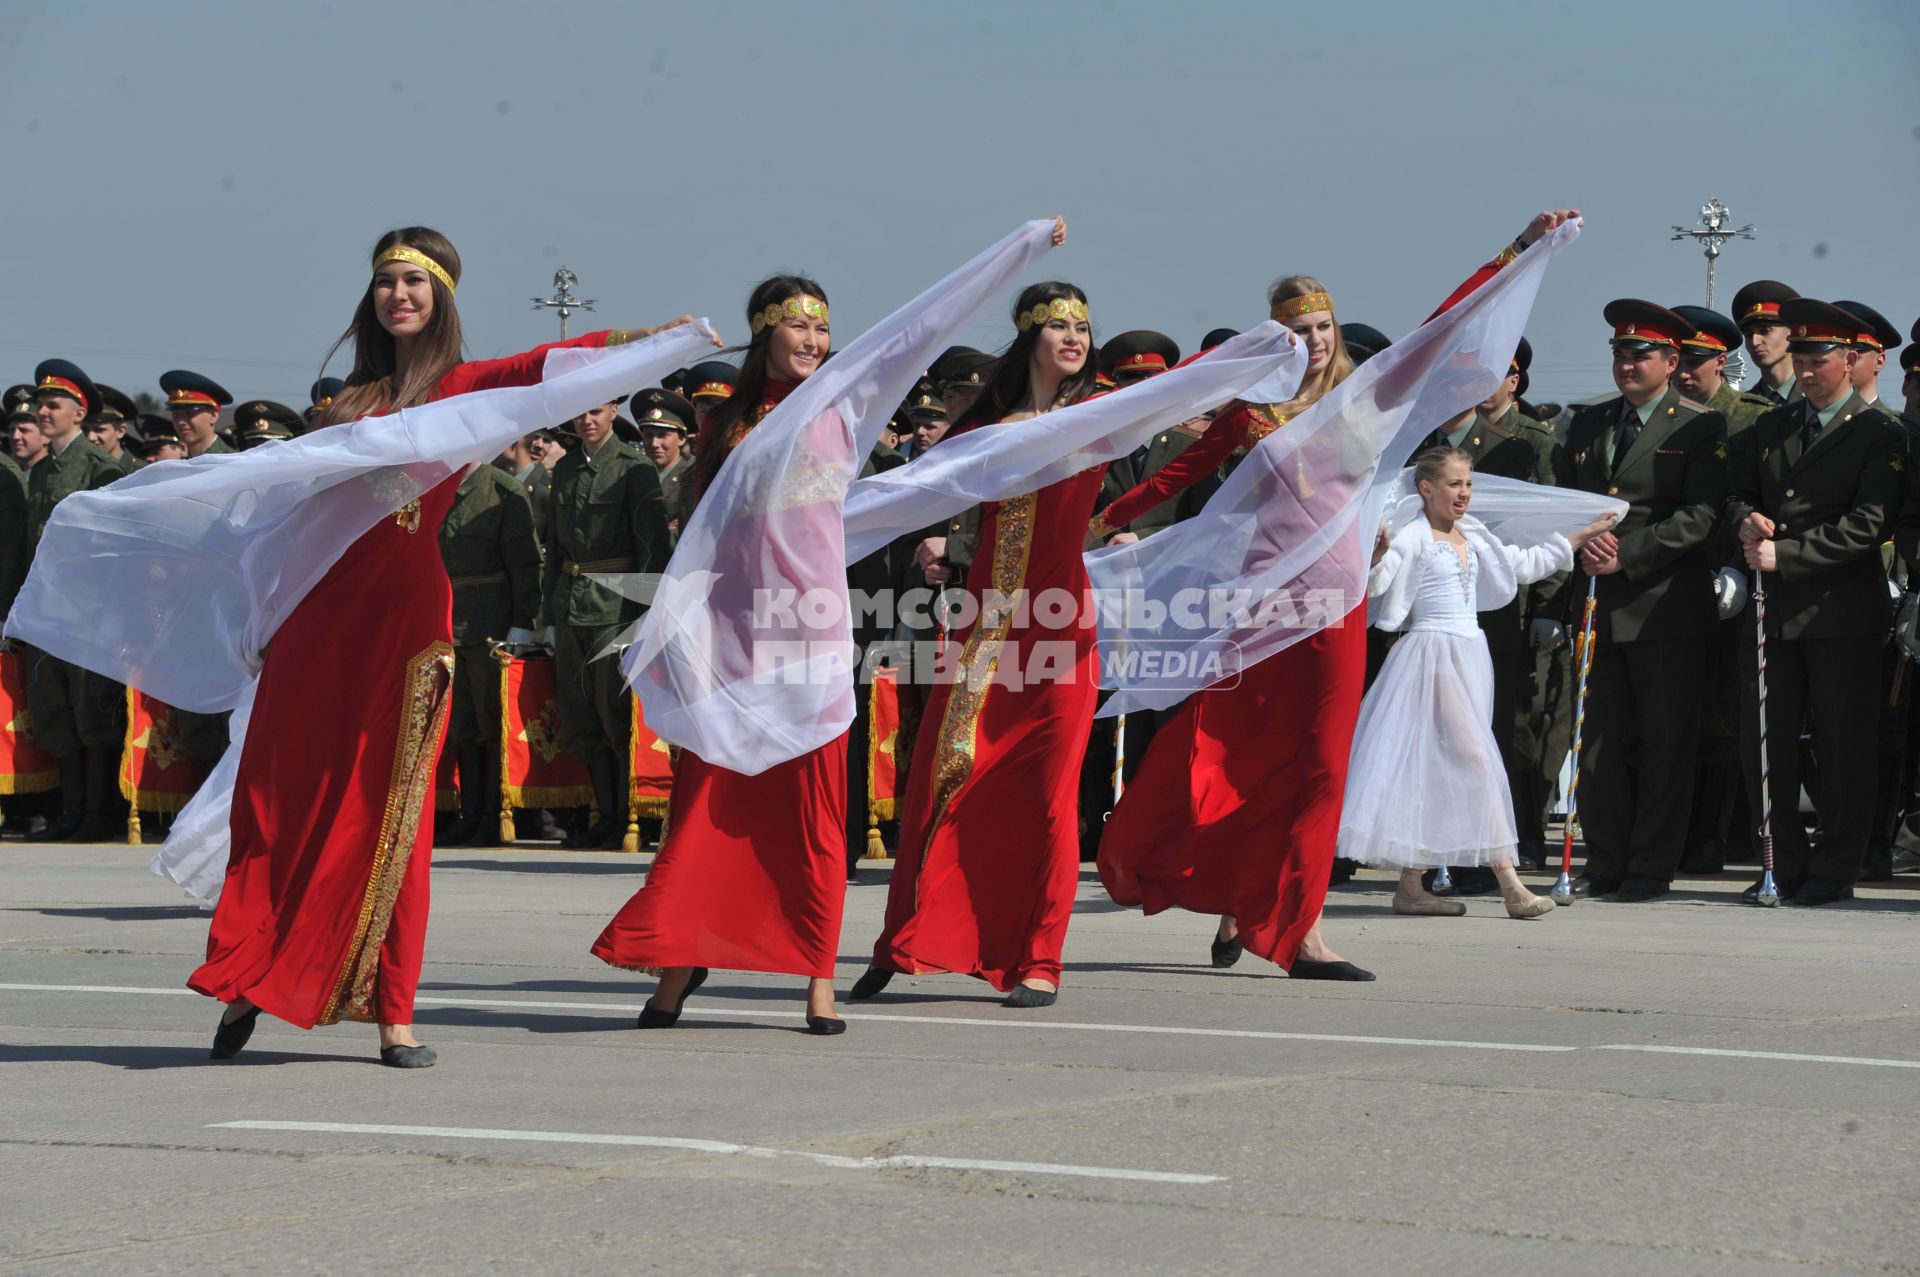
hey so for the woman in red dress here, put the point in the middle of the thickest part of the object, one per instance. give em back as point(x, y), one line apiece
point(753, 873)
point(323, 915)
point(1236, 808)
point(989, 858)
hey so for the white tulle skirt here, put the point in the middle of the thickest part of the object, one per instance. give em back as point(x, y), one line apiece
point(1425, 785)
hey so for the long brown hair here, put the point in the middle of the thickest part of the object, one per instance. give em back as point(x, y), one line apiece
point(710, 447)
point(1339, 365)
point(370, 386)
point(1011, 383)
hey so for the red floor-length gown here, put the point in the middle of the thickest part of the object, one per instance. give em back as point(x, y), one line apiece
point(989, 853)
point(1236, 806)
point(754, 870)
point(323, 914)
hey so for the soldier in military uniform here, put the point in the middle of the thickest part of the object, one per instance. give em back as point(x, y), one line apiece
point(76, 716)
point(1875, 338)
point(195, 403)
point(958, 376)
point(666, 420)
point(1817, 484)
point(157, 440)
point(1756, 308)
point(1666, 458)
point(320, 397)
point(25, 443)
point(14, 552)
point(21, 409)
point(1129, 358)
point(115, 427)
point(607, 516)
point(927, 419)
point(1718, 826)
point(1910, 380)
point(709, 385)
point(492, 556)
point(261, 421)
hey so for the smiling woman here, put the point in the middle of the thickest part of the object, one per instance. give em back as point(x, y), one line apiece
point(989, 842)
point(323, 915)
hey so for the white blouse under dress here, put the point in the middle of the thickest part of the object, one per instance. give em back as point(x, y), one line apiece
point(1425, 784)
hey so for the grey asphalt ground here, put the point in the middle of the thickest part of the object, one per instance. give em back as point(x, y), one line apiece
point(1396, 1126)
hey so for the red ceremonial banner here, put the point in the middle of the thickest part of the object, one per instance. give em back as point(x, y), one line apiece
point(884, 764)
point(652, 769)
point(535, 769)
point(25, 768)
point(156, 772)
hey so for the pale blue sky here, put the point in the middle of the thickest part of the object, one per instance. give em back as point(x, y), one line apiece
point(199, 184)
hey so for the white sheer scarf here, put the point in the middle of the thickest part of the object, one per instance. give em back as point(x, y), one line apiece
point(745, 656)
point(998, 462)
point(1504, 514)
point(175, 579)
point(1280, 552)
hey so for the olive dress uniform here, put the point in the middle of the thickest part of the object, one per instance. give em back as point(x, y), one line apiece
point(1832, 492)
point(1717, 827)
point(492, 559)
point(1642, 712)
point(77, 716)
point(14, 550)
point(607, 516)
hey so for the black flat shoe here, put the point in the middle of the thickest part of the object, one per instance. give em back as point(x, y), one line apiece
point(1227, 952)
point(652, 1019)
point(875, 979)
point(825, 1026)
point(1022, 996)
point(1636, 889)
point(1308, 969)
point(408, 1057)
point(231, 1035)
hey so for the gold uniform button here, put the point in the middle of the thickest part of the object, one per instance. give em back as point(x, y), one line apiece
point(1789, 492)
point(1613, 492)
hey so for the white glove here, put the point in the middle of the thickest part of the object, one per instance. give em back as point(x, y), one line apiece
point(1547, 635)
point(519, 636)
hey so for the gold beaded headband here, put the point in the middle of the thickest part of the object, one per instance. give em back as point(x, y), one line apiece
point(801, 306)
point(1307, 305)
point(401, 253)
point(1058, 308)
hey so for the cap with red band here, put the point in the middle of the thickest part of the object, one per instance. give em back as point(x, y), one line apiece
point(1639, 323)
point(1817, 324)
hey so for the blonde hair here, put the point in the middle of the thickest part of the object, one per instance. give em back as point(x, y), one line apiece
point(1428, 465)
point(1339, 365)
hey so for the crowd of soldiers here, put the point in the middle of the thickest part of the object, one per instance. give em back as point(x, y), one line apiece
point(1720, 483)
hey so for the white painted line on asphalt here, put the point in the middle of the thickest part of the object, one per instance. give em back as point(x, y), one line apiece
point(699, 1011)
point(735, 1150)
point(702, 1011)
point(1769, 1055)
point(93, 988)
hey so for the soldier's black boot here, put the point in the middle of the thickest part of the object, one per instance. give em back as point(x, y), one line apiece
point(612, 824)
point(73, 800)
point(97, 823)
point(473, 798)
point(486, 832)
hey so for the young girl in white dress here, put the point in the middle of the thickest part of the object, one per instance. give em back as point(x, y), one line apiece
point(1426, 786)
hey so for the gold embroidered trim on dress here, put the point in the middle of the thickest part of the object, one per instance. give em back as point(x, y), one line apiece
point(979, 662)
point(1267, 418)
point(423, 713)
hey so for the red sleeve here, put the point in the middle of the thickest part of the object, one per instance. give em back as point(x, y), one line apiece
point(1478, 278)
point(523, 369)
point(1201, 458)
